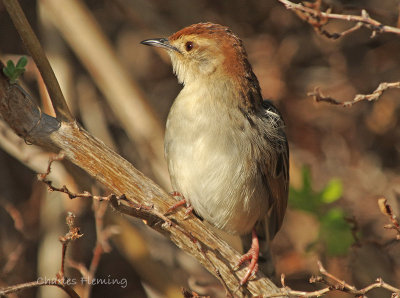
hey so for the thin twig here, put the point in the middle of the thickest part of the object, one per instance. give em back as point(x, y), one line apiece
point(16, 253)
point(117, 204)
point(143, 198)
point(336, 285)
point(15, 215)
point(78, 266)
point(72, 234)
point(13, 259)
point(318, 19)
point(32, 44)
point(34, 284)
point(42, 177)
point(311, 13)
point(375, 95)
point(101, 243)
point(387, 210)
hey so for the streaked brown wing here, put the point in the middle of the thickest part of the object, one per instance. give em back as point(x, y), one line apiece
point(276, 175)
point(278, 182)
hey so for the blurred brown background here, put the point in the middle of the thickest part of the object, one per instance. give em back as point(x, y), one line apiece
point(360, 145)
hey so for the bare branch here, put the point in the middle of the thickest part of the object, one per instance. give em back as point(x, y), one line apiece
point(135, 194)
point(312, 14)
point(375, 95)
point(102, 246)
point(125, 97)
point(72, 234)
point(35, 49)
point(387, 210)
point(34, 284)
point(336, 285)
point(15, 215)
point(13, 259)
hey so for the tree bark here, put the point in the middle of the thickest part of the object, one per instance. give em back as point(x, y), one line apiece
point(144, 198)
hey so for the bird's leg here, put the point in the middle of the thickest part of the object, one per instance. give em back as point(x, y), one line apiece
point(252, 256)
point(182, 201)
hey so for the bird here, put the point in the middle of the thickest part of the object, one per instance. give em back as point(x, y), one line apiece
point(226, 147)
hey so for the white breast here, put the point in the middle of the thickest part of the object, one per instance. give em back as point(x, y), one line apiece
point(214, 163)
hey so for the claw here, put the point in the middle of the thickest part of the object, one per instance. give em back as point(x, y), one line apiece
point(252, 256)
point(176, 194)
point(176, 205)
point(189, 208)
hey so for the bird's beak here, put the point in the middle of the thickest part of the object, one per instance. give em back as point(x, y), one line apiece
point(160, 43)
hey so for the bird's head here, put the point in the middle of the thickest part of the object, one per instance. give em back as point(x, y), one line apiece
point(205, 51)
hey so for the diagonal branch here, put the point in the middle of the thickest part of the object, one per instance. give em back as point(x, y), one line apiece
point(33, 46)
point(142, 197)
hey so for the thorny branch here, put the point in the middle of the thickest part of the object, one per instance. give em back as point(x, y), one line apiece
point(318, 96)
point(127, 206)
point(387, 210)
point(72, 234)
point(334, 284)
point(101, 246)
point(311, 13)
point(43, 178)
point(118, 202)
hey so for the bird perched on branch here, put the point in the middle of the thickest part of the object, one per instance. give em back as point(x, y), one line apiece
point(226, 149)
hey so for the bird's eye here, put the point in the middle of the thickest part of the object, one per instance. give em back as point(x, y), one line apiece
point(189, 46)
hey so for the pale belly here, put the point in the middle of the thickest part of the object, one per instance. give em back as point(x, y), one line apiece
point(214, 169)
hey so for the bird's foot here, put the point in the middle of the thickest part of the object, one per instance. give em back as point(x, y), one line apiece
point(181, 202)
point(252, 256)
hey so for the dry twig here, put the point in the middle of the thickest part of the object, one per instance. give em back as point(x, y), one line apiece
point(72, 234)
point(136, 210)
point(34, 284)
point(312, 14)
point(13, 258)
point(15, 254)
point(64, 189)
point(333, 284)
point(102, 245)
point(318, 96)
point(387, 210)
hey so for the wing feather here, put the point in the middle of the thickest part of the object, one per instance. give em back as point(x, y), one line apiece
point(276, 175)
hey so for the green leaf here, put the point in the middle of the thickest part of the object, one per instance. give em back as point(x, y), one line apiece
point(13, 72)
point(332, 192)
point(22, 62)
point(10, 65)
point(335, 232)
point(305, 198)
point(7, 72)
